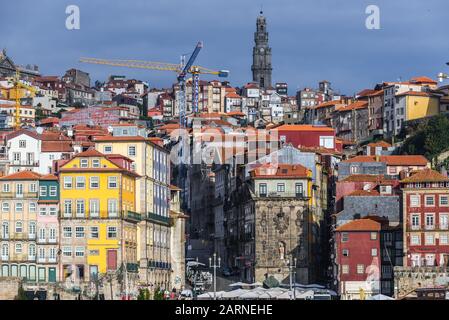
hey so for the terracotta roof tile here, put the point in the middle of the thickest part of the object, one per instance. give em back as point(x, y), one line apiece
point(22, 175)
point(303, 127)
point(361, 225)
point(402, 160)
point(426, 175)
point(281, 171)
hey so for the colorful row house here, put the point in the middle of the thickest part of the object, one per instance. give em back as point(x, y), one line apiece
point(98, 217)
point(30, 227)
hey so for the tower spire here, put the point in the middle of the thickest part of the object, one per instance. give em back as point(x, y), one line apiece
point(261, 67)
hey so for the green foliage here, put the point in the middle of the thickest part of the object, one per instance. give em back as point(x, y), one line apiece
point(144, 294)
point(158, 294)
point(21, 295)
point(430, 139)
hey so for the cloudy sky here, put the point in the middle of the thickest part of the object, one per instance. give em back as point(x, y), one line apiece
point(311, 40)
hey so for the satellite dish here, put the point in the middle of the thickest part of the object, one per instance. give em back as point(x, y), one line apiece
point(367, 187)
point(39, 130)
point(110, 129)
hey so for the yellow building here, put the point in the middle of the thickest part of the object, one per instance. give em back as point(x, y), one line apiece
point(152, 163)
point(98, 215)
point(417, 105)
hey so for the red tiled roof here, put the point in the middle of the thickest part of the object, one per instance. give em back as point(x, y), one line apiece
point(233, 95)
point(425, 175)
point(354, 106)
point(415, 93)
point(121, 138)
point(89, 153)
point(363, 178)
point(49, 177)
point(382, 144)
point(364, 193)
point(56, 146)
point(423, 79)
point(365, 224)
point(403, 160)
point(281, 171)
point(22, 175)
point(303, 127)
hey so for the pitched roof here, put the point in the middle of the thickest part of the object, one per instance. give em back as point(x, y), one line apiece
point(354, 106)
point(280, 171)
point(89, 153)
point(56, 146)
point(363, 178)
point(49, 177)
point(415, 93)
point(121, 138)
point(423, 79)
point(425, 175)
point(402, 160)
point(364, 193)
point(22, 175)
point(365, 224)
point(328, 104)
point(382, 144)
point(303, 127)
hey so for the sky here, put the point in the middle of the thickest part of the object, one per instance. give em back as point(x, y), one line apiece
point(311, 40)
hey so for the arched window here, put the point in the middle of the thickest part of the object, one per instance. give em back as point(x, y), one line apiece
point(5, 251)
point(32, 250)
point(19, 227)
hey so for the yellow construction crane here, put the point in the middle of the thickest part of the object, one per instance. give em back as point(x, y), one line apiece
point(17, 85)
point(181, 69)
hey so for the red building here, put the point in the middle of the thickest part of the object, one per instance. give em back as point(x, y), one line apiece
point(364, 248)
point(308, 136)
point(425, 197)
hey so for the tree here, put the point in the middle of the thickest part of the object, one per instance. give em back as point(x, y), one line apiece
point(21, 294)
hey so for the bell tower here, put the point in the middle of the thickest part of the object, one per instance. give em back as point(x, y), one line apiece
point(261, 67)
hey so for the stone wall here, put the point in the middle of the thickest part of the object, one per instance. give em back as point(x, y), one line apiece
point(9, 288)
point(407, 279)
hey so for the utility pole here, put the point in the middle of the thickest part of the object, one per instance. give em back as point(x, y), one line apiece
point(292, 271)
point(215, 266)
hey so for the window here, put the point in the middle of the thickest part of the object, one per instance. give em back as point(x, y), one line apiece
point(327, 142)
point(112, 232)
point(19, 227)
point(94, 208)
point(112, 182)
point(16, 157)
point(430, 201)
point(414, 200)
point(5, 252)
point(22, 143)
point(42, 234)
point(18, 248)
point(84, 163)
point(52, 254)
point(94, 182)
point(5, 230)
point(80, 209)
point(430, 219)
point(429, 239)
point(263, 189)
point(430, 260)
point(67, 251)
point(19, 207)
point(444, 221)
point(32, 250)
point(415, 239)
point(344, 237)
point(33, 187)
point(415, 222)
point(345, 269)
point(43, 191)
point(374, 252)
point(94, 232)
point(67, 208)
point(112, 207)
point(360, 269)
point(19, 189)
point(132, 151)
point(80, 182)
point(107, 149)
point(53, 211)
point(354, 169)
point(299, 189)
point(373, 235)
point(5, 207)
point(281, 187)
point(95, 163)
point(52, 234)
point(53, 191)
point(67, 232)
point(345, 252)
point(79, 252)
point(444, 239)
point(32, 207)
point(42, 211)
point(79, 232)
point(32, 229)
point(6, 187)
point(68, 183)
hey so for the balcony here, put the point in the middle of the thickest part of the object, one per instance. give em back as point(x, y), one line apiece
point(25, 163)
point(51, 260)
point(41, 260)
point(5, 257)
point(133, 216)
point(13, 195)
point(444, 226)
point(430, 227)
point(31, 258)
point(19, 236)
point(157, 218)
point(31, 236)
point(283, 195)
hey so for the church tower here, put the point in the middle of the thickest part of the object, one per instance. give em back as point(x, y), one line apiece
point(261, 67)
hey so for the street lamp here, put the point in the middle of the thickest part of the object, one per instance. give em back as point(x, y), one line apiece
point(215, 266)
point(292, 271)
